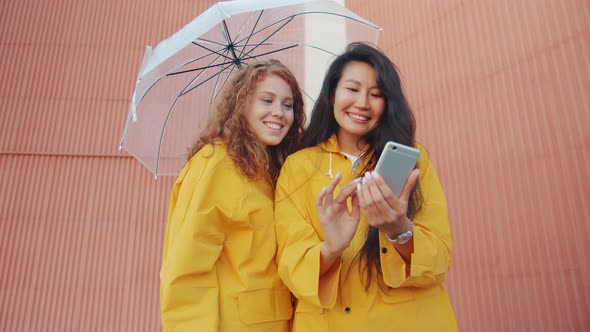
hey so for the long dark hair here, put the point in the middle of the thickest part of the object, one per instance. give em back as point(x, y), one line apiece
point(227, 122)
point(397, 124)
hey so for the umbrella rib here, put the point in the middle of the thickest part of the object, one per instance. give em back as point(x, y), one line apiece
point(270, 35)
point(216, 90)
point(267, 53)
point(308, 96)
point(220, 54)
point(172, 108)
point(293, 44)
point(251, 32)
point(246, 23)
point(210, 65)
point(230, 45)
point(184, 92)
point(268, 27)
point(210, 42)
point(200, 68)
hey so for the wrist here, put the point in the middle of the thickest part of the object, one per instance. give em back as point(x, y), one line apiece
point(401, 237)
point(328, 252)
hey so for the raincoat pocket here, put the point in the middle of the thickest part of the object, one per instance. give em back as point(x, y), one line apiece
point(265, 305)
point(397, 295)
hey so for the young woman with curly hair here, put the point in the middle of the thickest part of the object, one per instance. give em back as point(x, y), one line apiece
point(218, 266)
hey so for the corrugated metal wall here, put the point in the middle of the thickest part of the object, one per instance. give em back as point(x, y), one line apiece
point(500, 91)
point(81, 224)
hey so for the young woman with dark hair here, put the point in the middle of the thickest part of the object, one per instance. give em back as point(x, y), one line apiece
point(218, 266)
point(364, 259)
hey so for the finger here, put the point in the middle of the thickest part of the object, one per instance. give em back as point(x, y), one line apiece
point(319, 201)
point(385, 190)
point(360, 198)
point(379, 199)
point(330, 188)
point(329, 195)
point(356, 209)
point(366, 202)
point(377, 211)
point(365, 198)
point(393, 211)
point(346, 191)
point(410, 183)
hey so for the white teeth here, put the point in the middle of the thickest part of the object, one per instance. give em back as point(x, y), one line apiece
point(358, 117)
point(273, 125)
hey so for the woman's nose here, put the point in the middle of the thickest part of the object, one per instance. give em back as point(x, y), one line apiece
point(277, 110)
point(362, 101)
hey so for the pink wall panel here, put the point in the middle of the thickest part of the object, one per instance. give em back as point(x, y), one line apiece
point(81, 224)
point(499, 89)
point(500, 93)
point(80, 243)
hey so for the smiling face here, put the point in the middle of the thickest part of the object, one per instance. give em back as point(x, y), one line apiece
point(270, 111)
point(358, 105)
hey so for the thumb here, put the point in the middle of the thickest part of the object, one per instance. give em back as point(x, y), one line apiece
point(356, 208)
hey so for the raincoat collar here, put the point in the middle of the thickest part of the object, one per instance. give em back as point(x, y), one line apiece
point(331, 145)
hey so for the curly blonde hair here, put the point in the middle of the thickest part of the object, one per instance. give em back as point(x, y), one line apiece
point(226, 123)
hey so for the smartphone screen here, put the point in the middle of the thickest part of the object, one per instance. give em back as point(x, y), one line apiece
point(395, 164)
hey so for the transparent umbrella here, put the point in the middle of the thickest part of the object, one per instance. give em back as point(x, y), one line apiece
point(180, 78)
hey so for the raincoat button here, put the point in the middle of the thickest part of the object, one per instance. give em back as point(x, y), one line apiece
point(384, 250)
point(347, 310)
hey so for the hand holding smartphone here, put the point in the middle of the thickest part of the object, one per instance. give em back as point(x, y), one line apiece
point(395, 164)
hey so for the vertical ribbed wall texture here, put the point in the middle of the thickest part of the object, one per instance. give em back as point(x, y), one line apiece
point(79, 244)
point(81, 223)
point(500, 91)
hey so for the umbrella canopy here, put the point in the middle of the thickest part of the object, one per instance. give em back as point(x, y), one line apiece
point(180, 78)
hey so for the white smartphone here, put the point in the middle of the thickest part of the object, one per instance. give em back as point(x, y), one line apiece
point(396, 163)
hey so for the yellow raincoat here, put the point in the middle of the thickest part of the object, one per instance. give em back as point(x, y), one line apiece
point(416, 303)
point(218, 270)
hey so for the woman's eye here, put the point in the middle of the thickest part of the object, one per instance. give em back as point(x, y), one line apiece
point(267, 101)
point(378, 95)
point(288, 106)
point(352, 89)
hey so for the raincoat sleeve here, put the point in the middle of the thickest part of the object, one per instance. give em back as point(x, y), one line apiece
point(194, 239)
point(431, 259)
point(298, 255)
